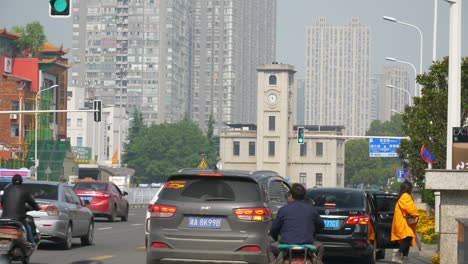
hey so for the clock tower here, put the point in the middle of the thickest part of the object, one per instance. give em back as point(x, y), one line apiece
point(275, 116)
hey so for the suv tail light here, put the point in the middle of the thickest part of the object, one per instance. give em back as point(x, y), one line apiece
point(252, 214)
point(250, 248)
point(162, 211)
point(358, 220)
point(159, 245)
point(51, 210)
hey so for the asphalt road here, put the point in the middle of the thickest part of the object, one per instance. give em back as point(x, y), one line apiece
point(123, 243)
point(117, 243)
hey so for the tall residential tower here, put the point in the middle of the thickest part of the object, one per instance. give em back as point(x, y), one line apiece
point(230, 39)
point(134, 53)
point(337, 90)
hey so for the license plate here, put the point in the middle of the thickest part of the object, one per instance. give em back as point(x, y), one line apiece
point(86, 198)
point(204, 222)
point(332, 224)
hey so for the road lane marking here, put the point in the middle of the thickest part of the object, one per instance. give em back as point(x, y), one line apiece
point(131, 214)
point(101, 257)
point(104, 228)
point(141, 248)
point(137, 224)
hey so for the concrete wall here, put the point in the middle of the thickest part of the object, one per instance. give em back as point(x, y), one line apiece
point(453, 187)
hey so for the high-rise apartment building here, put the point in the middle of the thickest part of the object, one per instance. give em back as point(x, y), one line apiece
point(134, 53)
point(230, 39)
point(401, 90)
point(337, 90)
point(168, 58)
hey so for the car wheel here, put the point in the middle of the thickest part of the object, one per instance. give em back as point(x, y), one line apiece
point(370, 259)
point(88, 239)
point(113, 215)
point(125, 217)
point(67, 244)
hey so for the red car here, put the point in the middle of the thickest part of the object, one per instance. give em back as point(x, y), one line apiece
point(106, 199)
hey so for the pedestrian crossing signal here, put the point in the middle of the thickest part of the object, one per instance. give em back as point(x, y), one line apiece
point(60, 8)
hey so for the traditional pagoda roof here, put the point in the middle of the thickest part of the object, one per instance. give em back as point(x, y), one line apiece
point(56, 61)
point(50, 48)
point(7, 34)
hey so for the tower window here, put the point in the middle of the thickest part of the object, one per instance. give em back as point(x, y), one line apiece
point(271, 123)
point(271, 148)
point(272, 80)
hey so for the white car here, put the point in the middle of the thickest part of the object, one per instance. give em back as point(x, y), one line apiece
point(148, 214)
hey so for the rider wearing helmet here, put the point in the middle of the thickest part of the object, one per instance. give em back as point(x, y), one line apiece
point(297, 223)
point(14, 200)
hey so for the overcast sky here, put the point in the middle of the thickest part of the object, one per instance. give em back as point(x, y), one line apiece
point(388, 39)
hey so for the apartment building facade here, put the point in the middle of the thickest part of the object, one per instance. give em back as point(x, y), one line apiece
point(134, 54)
point(337, 89)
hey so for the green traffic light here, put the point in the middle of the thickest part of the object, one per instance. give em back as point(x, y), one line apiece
point(301, 140)
point(60, 5)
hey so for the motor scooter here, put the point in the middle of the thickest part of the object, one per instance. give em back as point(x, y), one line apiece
point(14, 245)
point(297, 254)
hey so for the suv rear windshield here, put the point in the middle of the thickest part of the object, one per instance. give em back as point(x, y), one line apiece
point(91, 186)
point(42, 191)
point(336, 198)
point(202, 189)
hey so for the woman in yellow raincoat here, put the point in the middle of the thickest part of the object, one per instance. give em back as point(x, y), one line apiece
point(401, 231)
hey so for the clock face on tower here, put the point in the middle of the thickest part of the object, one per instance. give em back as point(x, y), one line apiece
point(272, 98)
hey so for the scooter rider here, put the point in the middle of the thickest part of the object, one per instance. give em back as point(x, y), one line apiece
point(296, 223)
point(14, 200)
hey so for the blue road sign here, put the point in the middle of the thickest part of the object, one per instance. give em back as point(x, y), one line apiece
point(383, 147)
point(401, 175)
point(288, 179)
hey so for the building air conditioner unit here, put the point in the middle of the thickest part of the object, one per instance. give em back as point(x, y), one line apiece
point(13, 116)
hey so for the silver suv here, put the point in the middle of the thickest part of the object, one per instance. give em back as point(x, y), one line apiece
point(209, 216)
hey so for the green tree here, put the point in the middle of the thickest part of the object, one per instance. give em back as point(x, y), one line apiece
point(426, 122)
point(160, 150)
point(32, 37)
point(360, 168)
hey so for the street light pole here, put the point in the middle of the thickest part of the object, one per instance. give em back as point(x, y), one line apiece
point(401, 89)
point(415, 73)
point(120, 143)
point(454, 80)
point(392, 19)
point(36, 161)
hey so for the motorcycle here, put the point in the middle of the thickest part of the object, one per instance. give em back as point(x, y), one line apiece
point(14, 245)
point(297, 254)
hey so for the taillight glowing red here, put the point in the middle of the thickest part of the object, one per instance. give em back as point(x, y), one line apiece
point(358, 220)
point(162, 211)
point(252, 214)
point(51, 210)
point(250, 248)
point(159, 245)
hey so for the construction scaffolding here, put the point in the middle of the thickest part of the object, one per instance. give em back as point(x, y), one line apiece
point(51, 155)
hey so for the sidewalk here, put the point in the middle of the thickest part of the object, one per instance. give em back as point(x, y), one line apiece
point(423, 256)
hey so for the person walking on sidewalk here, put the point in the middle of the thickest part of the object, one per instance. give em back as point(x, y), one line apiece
point(404, 222)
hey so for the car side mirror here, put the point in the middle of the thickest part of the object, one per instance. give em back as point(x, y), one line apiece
point(125, 193)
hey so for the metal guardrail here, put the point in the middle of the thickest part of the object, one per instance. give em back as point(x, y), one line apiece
point(140, 197)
